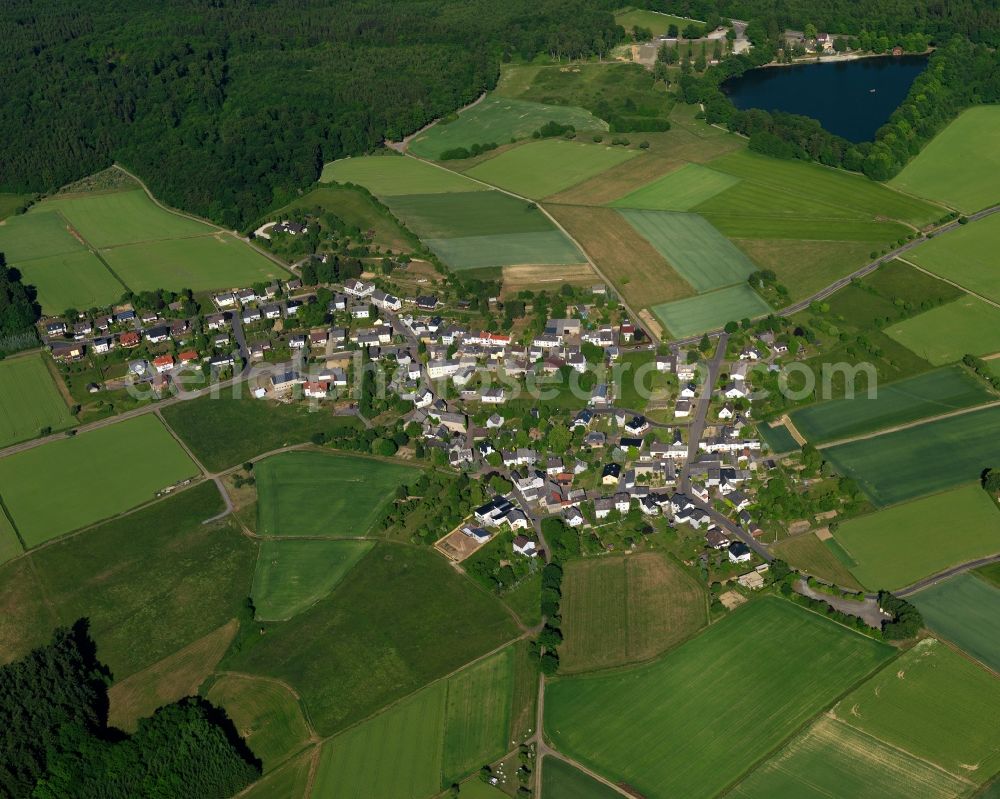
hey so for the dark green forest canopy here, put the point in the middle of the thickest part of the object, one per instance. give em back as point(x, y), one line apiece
point(226, 107)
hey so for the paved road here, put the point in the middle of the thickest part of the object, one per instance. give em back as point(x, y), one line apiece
point(859, 273)
point(697, 426)
point(241, 342)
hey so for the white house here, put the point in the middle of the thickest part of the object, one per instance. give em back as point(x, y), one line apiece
point(739, 552)
point(525, 546)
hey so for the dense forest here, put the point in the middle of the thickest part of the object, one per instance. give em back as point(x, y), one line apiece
point(19, 308)
point(55, 742)
point(227, 107)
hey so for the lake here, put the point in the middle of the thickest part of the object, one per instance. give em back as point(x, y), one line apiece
point(837, 93)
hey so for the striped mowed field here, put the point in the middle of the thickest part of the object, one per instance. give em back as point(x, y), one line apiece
point(694, 315)
point(965, 609)
point(29, 400)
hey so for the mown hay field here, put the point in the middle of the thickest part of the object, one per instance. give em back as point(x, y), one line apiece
point(965, 609)
point(969, 256)
point(29, 400)
point(387, 176)
point(619, 610)
point(947, 333)
point(711, 311)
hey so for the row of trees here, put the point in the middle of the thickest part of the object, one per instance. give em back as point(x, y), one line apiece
point(19, 308)
point(227, 109)
point(55, 742)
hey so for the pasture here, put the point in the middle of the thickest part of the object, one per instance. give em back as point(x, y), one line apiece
point(199, 264)
point(123, 217)
point(404, 620)
point(694, 315)
point(540, 168)
point(805, 266)
point(151, 583)
point(215, 428)
point(477, 252)
point(666, 730)
point(265, 712)
point(832, 760)
point(436, 737)
point(809, 554)
point(935, 704)
point(808, 229)
point(967, 256)
point(929, 394)
point(928, 458)
point(40, 234)
point(966, 610)
point(469, 213)
point(699, 253)
point(172, 678)
point(652, 20)
point(294, 575)
point(71, 280)
point(498, 120)
point(112, 469)
point(560, 780)
point(29, 400)
point(10, 546)
point(945, 334)
point(680, 190)
point(386, 176)
point(896, 547)
point(291, 781)
point(959, 165)
point(619, 610)
point(641, 276)
point(778, 438)
point(9, 203)
point(321, 494)
point(775, 187)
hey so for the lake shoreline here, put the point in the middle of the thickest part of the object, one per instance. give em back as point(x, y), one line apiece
point(840, 57)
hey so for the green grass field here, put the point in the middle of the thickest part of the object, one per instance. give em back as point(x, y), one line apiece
point(387, 176)
point(122, 217)
point(808, 554)
point(621, 610)
point(900, 545)
point(935, 704)
point(359, 210)
point(293, 575)
point(653, 20)
point(959, 164)
point(965, 609)
point(561, 781)
point(215, 428)
point(775, 187)
point(711, 311)
point(291, 781)
point(398, 753)
point(946, 334)
point(832, 760)
point(39, 234)
point(967, 256)
point(702, 255)
point(199, 264)
point(10, 546)
point(541, 168)
point(929, 394)
point(111, 469)
point(469, 213)
point(691, 722)
point(499, 120)
point(477, 252)
point(265, 712)
point(681, 190)
point(71, 280)
point(778, 438)
point(320, 494)
point(800, 229)
point(402, 618)
point(925, 459)
point(9, 203)
point(150, 583)
point(431, 739)
point(29, 400)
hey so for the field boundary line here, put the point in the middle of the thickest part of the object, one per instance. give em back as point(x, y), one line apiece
point(539, 205)
point(968, 291)
point(245, 675)
point(89, 246)
point(908, 425)
point(823, 711)
point(57, 379)
point(10, 519)
point(959, 651)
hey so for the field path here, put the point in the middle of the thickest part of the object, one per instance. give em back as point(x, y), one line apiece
point(975, 294)
point(907, 425)
point(403, 145)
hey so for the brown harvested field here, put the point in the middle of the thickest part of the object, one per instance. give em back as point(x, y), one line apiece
point(667, 152)
point(625, 609)
point(809, 554)
point(168, 680)
point(639, 273)
point(546, 277)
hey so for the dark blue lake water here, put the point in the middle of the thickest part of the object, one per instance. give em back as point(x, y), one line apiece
point(838, 94)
